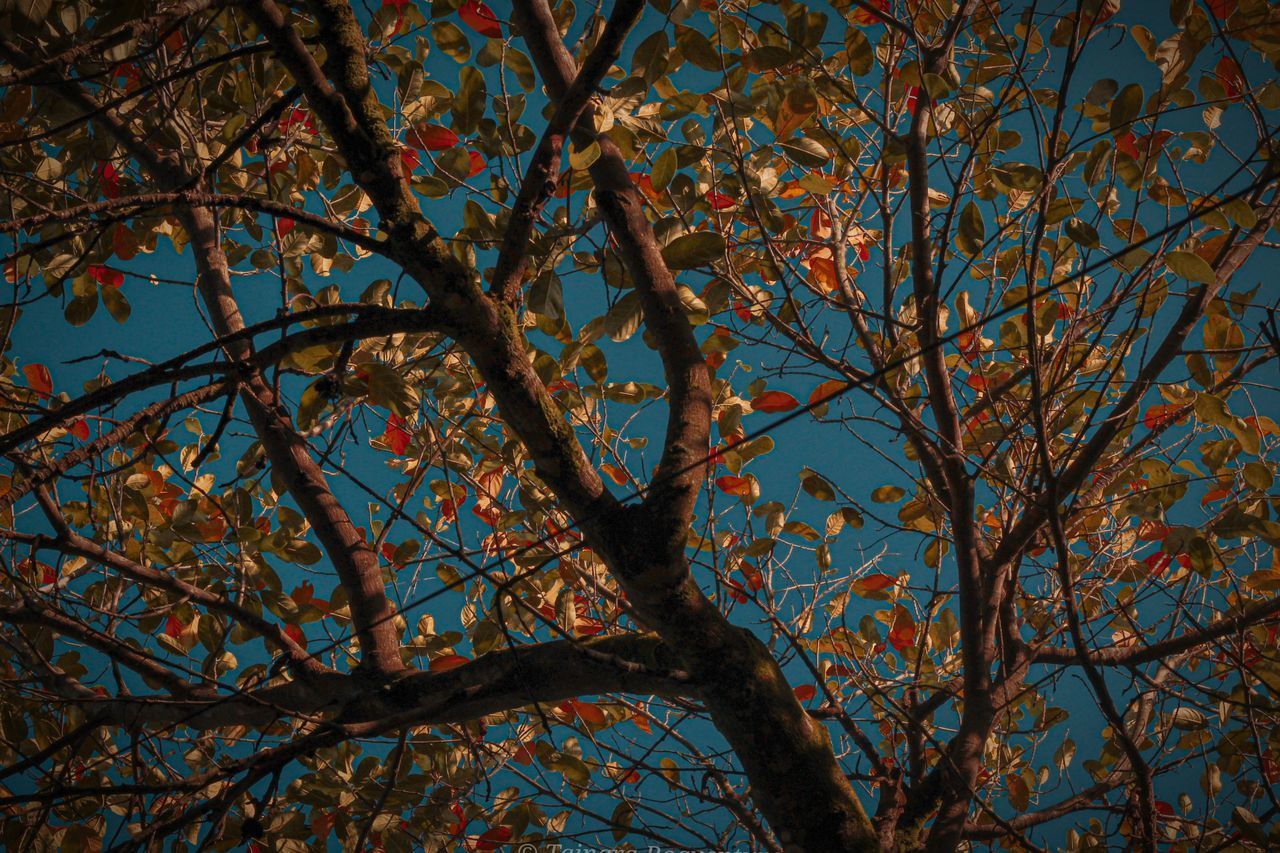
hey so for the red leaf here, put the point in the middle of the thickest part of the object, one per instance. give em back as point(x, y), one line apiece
point(774, 401)
point(444, 663)
point(294, 633)
point(396, 436)
point(109, 181)
point(903, 633)
point(1128, 144)
point(106, 276)
point(301, 117)
point(525, 754)
point(303, 593)
point(431, 137)
point(284, 226)
point(477, 163)
point(480, 18)
point(409, 161)
point(80, 429)
point(860, 15)
point(1222, 9)
point(38, 379)
point(494, 838)
point(913, 98)
point(1152, 531)
point(173, 626)
point(720, 201)
point(805, 692)
point(1231, 77)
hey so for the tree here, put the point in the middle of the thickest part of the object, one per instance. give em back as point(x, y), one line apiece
point(941, 317)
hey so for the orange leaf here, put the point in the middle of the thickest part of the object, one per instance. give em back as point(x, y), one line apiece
point(480, 18)
point(822, 271)
point(876, 583)
point(774, 401)
point(584, 711)
point(1163, 415)
point(615, 473)
point(826, 390)
point(38, 379)
point(736, 486)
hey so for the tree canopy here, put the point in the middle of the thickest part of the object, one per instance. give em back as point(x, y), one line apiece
point(755, 423)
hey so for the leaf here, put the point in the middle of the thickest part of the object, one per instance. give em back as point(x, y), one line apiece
point(623, 318)
point(972, 231)
point(1126, 107)
point(451, 41)
point(664, 169)
point(431, 137)
point(794, 110)
point(480, 18)
point(693, 250)
point(736, 486)
point(774, 401)
point(888, 494)
point(902, 633)
point(38, 379)
point(1190, 266)
point(444, 663)
point(117, 305)
point(817, 486)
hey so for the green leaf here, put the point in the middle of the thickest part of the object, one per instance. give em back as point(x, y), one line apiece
point(972, 231)
point(1126, 107)
point(693, 250)
point(81, 309)
point(451, 41)
point(664, 169)
point(117, 305)
point(1190, 266)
